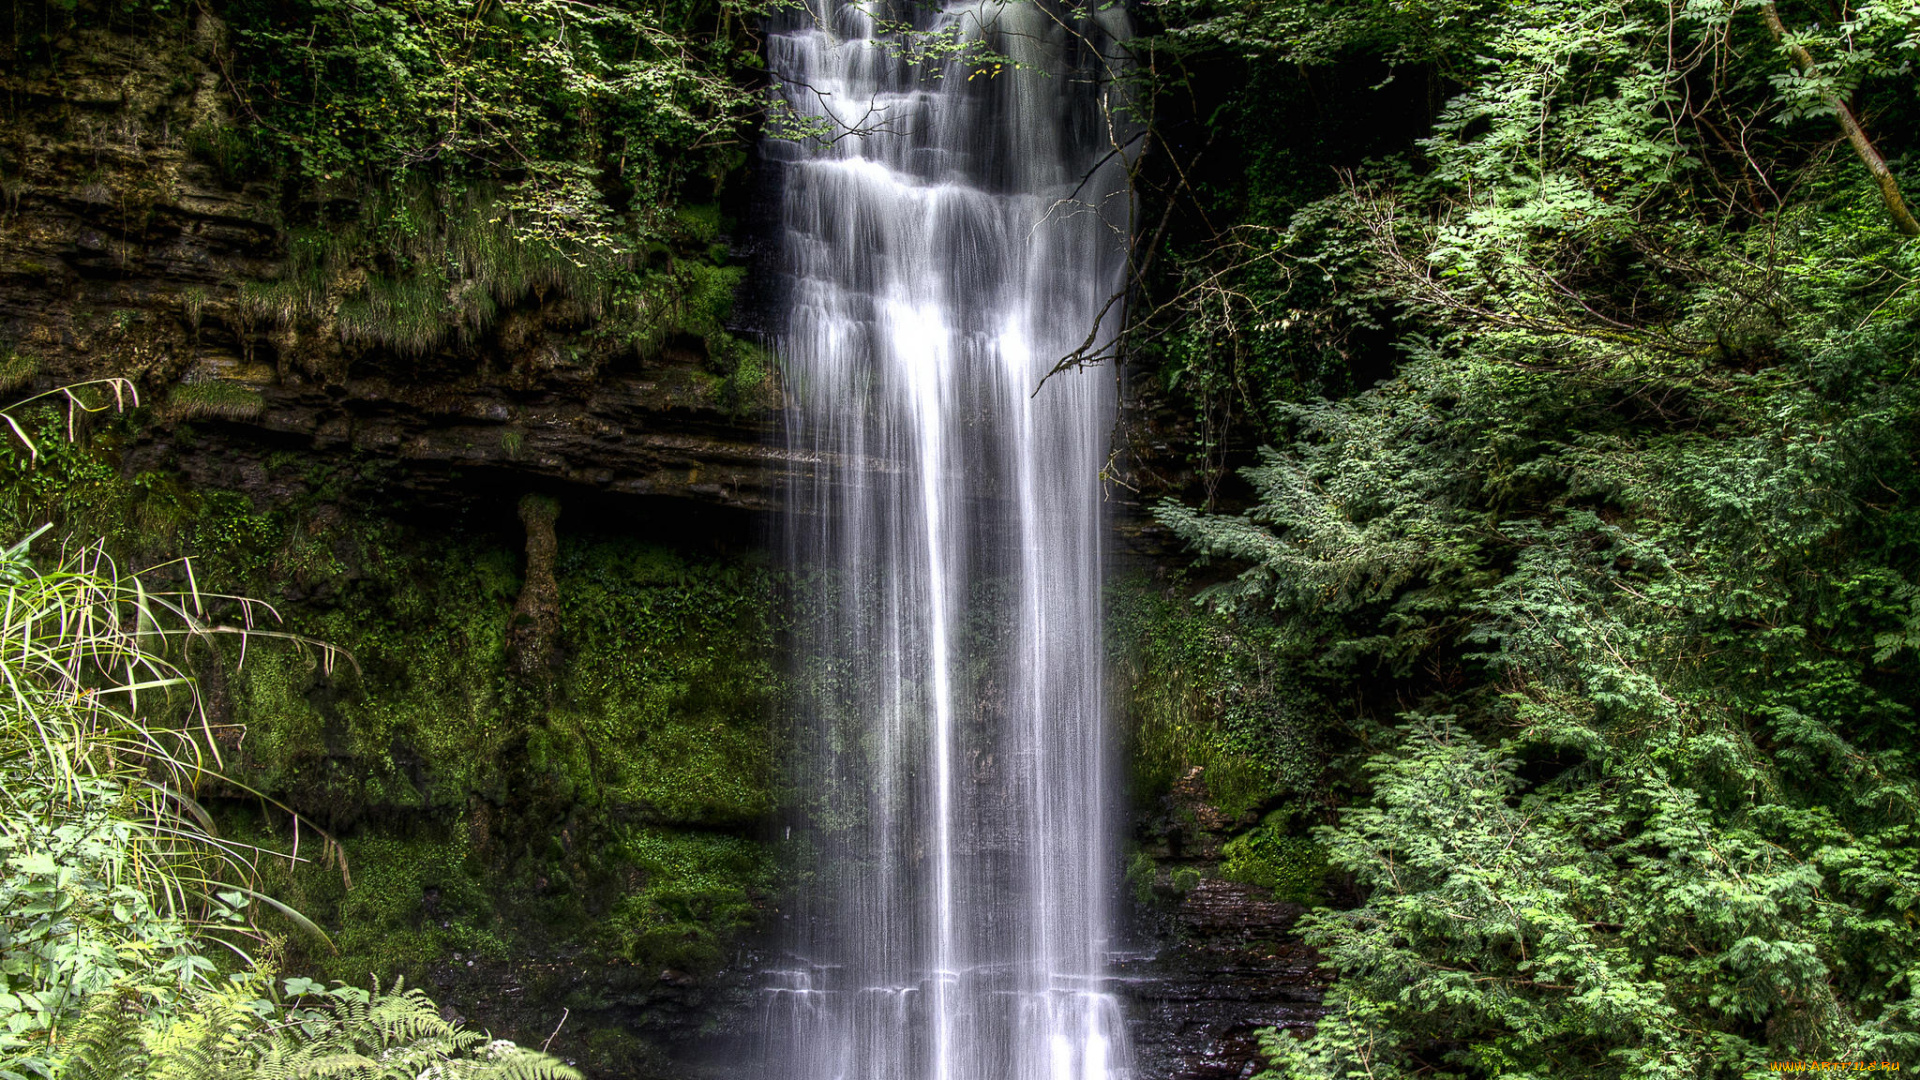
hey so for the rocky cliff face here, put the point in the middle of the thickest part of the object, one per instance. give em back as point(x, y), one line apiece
point(116, 245)
point(130, 231)
point(126, 247)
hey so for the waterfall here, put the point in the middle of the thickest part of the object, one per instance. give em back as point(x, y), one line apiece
point(951, 226)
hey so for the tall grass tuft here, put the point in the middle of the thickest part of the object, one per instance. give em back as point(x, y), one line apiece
point(17, 369)
point(300, 293)
point(114, 878)
point(214, 400)
point(409, 314)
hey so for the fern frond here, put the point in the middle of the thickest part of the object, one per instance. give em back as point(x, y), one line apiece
point(105, 1045)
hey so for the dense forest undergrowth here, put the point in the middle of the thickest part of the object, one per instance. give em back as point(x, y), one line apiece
point(1579, 341)
point(1537, 386)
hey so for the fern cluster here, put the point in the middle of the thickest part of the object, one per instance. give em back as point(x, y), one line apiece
point(232, 1033)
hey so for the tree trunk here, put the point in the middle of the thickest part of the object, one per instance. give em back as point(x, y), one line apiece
point(1877, 165)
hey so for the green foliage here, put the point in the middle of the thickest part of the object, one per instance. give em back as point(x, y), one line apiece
point(114, 883)
point(749, 384)
point(438, 163)
point(1660, 645)
point(418, 269)
point(1611, 575)
point(590, 116)
point(236, 1032)
point(1208, 691)
point(1868, 47)
point(1494, 164)
point(1141, 872)
point(1322, 33)
point(73, 921)
point(63, 482)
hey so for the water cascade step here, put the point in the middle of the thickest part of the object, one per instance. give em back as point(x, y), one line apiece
point(954, 221)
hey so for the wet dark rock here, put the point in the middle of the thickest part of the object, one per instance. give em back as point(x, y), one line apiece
point(536, 614)
point(1216, 908)
point(1196, 1016)
point(1221, 968)
point(668, 1008)
point(622, 434)
point(1220, 960)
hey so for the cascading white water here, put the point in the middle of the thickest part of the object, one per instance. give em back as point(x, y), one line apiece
point(955, 228)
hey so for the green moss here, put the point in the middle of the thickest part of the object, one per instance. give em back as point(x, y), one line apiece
point(232, 538)
point(695, 892)
point(699, 223)
point(660, 715)
point(229, 149)
point(1141, 872)
point(1294, 867)
point(399, 901)
point(748, 385)
point(661, 707)
point(610, 1049)
point(414, 901)
point(669, 678)
point(610, 813)
point(706, 297)
point(420, 718)
point(1215, 692)
point(281, 723)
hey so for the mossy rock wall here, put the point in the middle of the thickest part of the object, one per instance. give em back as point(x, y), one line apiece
point(586, 837)
point(1224, 751)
